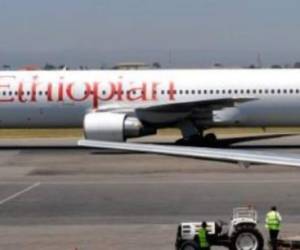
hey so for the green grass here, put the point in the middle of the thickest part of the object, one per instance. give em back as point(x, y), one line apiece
point(40, 133)
point(77, 133)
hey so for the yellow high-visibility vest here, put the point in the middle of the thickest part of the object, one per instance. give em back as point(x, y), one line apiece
point(273, 220)
point(202, 234)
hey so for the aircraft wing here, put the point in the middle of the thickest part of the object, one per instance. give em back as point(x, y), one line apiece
point(175, 106)
point(189, 106)
point(244, 157)
point(174, 112)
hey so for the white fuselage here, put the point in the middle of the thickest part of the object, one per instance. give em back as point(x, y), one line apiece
point(62, 98)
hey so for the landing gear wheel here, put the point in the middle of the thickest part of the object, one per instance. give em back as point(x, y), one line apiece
point(181, 142)
point(246, 238)
point(210, 139)
point(189, 245)
point(197, 140)
point(194, 140)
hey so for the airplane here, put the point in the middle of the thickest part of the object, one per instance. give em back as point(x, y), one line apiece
point(115, 105)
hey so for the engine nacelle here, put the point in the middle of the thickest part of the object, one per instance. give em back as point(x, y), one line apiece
point(113, 127)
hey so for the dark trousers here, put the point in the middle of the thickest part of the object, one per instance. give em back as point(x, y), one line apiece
point(273, 238)
point(204, 248)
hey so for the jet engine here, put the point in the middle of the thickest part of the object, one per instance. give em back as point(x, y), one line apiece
point(106, 126)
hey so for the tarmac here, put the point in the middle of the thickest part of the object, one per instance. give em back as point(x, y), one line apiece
point(55, 195)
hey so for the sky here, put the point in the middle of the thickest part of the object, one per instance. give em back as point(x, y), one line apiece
point(176, 33)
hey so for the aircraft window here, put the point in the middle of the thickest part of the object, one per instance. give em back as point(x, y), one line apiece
point(278, 91)
point(40, 93)
point(10, 93)
point(242, 91)
point(199, 92)
point(254, 91)
point(187, 92)
point(284, 91)
point(16, 92)
point(205, 91)
point(181, 91)
point(260, 91)
point(266, 91)
point(211, 91)
point(223, 91)
point(4, 93)
point(272, 91)
point(297, 91)
point(193, 92)
point(162, 92)
point(235, 91)
point(217, 91)
point(103, 92)
point(46, 93)
point(248, 91)
point(291, 91)
point(174, 91)
point(229, 91)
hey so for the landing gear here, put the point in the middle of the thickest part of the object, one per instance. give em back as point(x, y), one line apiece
point(198, 140)
point(193, 135)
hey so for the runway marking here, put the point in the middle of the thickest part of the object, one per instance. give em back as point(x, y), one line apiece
point(9, 198)
point(168, 182)
point(153, 182)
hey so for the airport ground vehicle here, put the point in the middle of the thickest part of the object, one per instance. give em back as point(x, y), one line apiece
point(240, 234)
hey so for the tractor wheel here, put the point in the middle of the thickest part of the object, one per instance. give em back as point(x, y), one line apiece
point(246, 238)
point(189, 245)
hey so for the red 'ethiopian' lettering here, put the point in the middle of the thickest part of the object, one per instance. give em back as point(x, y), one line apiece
point(154, 91)
point(60, 91)
point(137, 93)
point(171, 91)
point(119, 91)
point(111, 92)
point(21, 93)
point(97, 92)
point(33, 91)
point(70, 92)
point(49, 92)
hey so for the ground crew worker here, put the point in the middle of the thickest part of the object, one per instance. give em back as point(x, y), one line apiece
point(203, 237)
point(273, 222)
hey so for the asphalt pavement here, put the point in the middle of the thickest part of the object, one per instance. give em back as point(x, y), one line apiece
point(54, 195)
